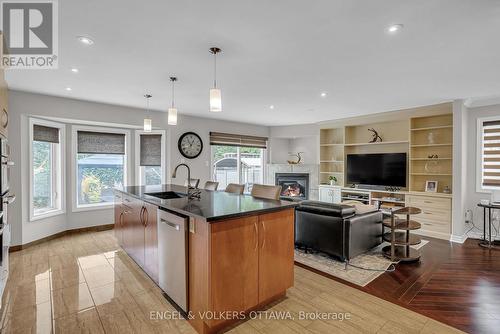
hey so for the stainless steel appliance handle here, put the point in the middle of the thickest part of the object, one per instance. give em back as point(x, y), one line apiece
point(9, 163)
point(173, 225)
point(9, 199)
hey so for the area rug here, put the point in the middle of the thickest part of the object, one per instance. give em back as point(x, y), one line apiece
point(372, 259)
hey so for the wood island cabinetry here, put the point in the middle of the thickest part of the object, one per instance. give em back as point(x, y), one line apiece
point(236, 264)
point(136, 231)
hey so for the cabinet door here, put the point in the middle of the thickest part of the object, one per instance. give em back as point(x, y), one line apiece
point(118, 219)
point(336, 195)
point(151, 241)
point(138, 232)
point(276, 244)
point(127, 234)
point(325, 194)
point(119, 223)
point(234, 264)
point(134, 234)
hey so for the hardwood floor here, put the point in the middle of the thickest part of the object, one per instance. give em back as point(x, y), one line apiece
point(457, 284)
point(84, 283)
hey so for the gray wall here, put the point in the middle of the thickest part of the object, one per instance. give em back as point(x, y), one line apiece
point(22, 105)
point(473, 197)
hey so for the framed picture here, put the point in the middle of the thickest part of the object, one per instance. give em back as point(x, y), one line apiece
point(431, 186)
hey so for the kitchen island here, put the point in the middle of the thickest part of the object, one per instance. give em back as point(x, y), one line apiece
point(238, 249)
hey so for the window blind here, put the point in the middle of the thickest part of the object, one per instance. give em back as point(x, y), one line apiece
point(150, 146)
point(100, 142)
point(491, 154)
point(227, 139)
point(45, 133)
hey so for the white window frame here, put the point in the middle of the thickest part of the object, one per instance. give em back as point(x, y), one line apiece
point(479, 156)
point(238, 162)
point(74, 167)
point(58, 167)
point(140, 178)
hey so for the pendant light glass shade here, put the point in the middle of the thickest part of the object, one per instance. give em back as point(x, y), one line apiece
point(172, 116)
point(172, 111)
point(148, 125)
point(215, 100)
point(215, 93)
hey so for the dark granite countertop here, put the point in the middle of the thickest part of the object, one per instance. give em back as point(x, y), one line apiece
point(212, 205)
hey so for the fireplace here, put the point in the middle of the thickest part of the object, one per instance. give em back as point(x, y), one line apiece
point(294, 186)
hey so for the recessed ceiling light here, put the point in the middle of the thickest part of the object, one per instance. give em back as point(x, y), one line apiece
point(85, 40)
point(323, 94)
point(395, 28)
point(271, 106)
point(74, 70)
point(68, 89)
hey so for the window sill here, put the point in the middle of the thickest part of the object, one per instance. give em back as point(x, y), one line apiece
point(93, 207)
point(48, 214)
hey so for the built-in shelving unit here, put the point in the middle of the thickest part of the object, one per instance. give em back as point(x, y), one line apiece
point(427, 138)
point(431, 151)
point(425, 134)
point(332, 155)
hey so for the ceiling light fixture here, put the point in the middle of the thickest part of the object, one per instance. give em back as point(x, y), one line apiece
point(74, 70)
point(271, 107)
point(172, 111)
point(395, 28)
point(85, 40)
point(68, 89)
point(148, 123)
point(323, 94)
point(215, 93)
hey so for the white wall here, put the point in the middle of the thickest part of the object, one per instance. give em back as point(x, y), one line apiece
point(473, 197)
point(278, 152)
point(460, 130)
point(309, 146)
point(23, 105)
point(294, 138)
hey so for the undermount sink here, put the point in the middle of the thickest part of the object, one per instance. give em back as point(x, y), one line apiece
point(166, 195)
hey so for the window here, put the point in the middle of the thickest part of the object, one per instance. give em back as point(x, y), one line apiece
point(150, 157)
point(100, 165)
point(237, 159)
point(489, 151)
point(46, 170)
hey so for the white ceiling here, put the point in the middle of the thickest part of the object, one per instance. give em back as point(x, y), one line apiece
point(279, 52)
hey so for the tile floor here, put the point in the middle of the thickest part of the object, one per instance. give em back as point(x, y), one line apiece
point(84, 283)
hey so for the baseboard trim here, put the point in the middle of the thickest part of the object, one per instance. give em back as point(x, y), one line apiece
point(458, 238)
point(96, 228)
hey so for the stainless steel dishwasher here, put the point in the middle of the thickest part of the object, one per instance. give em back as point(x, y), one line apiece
point(172, 255)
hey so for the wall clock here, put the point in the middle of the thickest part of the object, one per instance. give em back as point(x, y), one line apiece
point(190, 145)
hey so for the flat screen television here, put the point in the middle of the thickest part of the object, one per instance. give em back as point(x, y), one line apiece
point(381, 169)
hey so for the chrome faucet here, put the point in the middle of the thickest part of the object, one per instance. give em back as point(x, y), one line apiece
point(191, 192)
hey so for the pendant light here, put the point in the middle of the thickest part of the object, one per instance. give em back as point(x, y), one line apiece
point(215, 93)
point(148, 123)
point(172, 111)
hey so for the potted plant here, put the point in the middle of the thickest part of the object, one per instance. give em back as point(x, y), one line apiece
point(333, 180)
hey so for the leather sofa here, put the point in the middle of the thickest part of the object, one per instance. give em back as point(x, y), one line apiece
point(336, 229)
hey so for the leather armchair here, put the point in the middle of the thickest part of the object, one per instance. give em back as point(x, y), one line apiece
point(336, 230)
